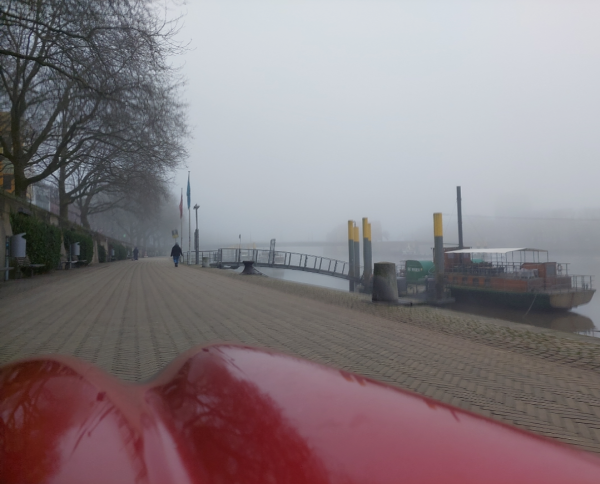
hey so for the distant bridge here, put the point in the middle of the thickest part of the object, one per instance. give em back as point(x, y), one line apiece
point(233, 258)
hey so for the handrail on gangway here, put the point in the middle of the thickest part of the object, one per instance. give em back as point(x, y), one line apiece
point(233, 257)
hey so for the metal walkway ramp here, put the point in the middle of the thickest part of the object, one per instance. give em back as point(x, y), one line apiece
point(233, 258)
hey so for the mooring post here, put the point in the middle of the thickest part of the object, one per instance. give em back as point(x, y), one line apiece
point(367, 252)
point(459, 210)
point(356, 252)
point(385, 287)
point(351, 254)
point(249, 268)
point(438, 235)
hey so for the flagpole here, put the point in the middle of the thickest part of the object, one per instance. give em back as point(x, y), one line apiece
point(181, 218)
point(189, 221)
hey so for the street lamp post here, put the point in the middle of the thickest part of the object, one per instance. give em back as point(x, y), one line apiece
point(197, 236)
point(240, 250)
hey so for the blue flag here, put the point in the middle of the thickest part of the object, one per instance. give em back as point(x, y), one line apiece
point(188, 191)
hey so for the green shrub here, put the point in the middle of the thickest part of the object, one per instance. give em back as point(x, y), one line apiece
point(120, 251)
point(43, 240)
point(101, 253)
point(86, 243)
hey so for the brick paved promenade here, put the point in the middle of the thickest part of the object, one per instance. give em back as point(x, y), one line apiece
point(132, 318)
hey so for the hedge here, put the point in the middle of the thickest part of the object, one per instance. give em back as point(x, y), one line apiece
point(86, 243)
point(101, 253)
point(120, 251)
point(43, 240)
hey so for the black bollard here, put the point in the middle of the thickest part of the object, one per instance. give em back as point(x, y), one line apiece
point(249, 269)
point(385, 287)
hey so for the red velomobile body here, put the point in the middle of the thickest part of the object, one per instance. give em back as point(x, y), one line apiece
point(229, 414)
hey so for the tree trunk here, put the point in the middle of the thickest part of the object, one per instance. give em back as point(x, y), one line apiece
point(18, 159)
point(21, 182)
point(84, 209)
point(84, 220)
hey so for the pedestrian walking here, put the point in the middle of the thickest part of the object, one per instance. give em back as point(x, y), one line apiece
point(135, 253)
point(176, 253)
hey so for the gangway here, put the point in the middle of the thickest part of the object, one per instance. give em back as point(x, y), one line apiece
point(233, 258)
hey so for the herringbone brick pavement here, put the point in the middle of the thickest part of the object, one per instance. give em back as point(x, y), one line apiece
point(132, 318)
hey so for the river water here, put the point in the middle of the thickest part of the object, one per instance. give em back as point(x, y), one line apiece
point(582, 320)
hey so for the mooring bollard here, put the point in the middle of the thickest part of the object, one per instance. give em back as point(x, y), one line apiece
point(249, 269)
point(385, 287)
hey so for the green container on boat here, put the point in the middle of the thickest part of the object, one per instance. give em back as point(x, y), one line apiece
point(418, 270)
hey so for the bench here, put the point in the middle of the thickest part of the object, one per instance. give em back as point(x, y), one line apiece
point(24, 263)
point(68, 264)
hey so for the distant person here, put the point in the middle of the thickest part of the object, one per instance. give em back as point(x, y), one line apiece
point(176, 253)
point(135, 253)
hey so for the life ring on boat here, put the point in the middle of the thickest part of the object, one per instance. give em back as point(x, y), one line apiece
point(559, 267)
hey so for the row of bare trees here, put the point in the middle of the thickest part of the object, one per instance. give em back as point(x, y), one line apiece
point(93, 101)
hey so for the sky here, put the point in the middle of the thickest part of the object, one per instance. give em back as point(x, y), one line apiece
point(305, 114)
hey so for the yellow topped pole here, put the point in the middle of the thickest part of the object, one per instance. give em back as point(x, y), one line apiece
point(438, 227)
point(438, 236)
point(367, 252)
point(356, 252)
point(351, 253)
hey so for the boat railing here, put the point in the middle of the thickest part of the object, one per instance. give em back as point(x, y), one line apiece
point(500, 274)
point(581, 283)
point(573, 283)
point(503, 268)
point(489, 269)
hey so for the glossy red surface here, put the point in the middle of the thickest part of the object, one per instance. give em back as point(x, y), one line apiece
point(227, 414)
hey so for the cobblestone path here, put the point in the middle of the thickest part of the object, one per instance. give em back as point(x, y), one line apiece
point(132, 318)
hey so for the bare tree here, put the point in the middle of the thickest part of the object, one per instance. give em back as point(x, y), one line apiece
point(126, 152)
point(141, 219)
point(86, 83)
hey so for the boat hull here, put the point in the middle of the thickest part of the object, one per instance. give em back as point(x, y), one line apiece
point(563, 300)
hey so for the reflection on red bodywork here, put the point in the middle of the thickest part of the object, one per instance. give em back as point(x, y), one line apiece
point(228, 414)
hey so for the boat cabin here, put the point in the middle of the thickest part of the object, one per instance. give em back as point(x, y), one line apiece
point(506, 269)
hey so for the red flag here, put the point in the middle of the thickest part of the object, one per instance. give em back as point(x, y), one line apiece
point(181, 206)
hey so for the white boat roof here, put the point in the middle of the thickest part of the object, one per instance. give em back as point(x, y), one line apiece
point(494, 251)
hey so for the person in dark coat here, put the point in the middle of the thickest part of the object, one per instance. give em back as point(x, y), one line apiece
point(176, 253)
point(135, 253)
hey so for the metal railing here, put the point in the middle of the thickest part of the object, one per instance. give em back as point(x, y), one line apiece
point(582, 283)
point(232, 258)
point(502, 276)
point(561, 284)
point(513, 277)
point(189, 257)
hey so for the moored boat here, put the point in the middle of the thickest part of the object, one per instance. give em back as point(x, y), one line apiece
point(517, 277)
